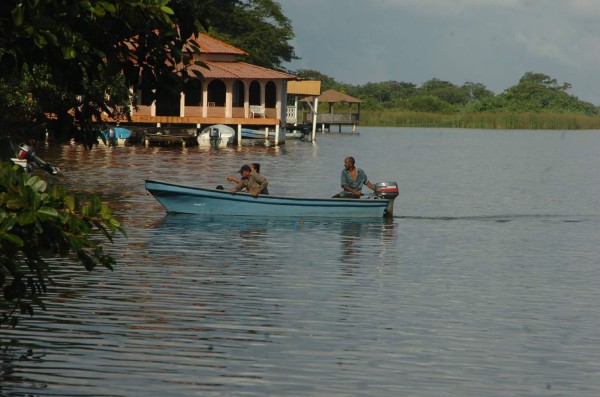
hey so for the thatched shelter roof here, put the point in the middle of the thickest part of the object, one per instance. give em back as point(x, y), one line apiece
point(333, 96)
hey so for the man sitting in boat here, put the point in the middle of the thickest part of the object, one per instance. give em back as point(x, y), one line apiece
point(253, 167)
point(353, 179)
point(251, 180)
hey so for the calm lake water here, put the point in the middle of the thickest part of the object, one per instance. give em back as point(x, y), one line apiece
point(485, 283)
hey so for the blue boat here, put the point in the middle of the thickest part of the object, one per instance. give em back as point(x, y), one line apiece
point(256, 134)
point(194, 200)
point(116, 136)
point(248, 133)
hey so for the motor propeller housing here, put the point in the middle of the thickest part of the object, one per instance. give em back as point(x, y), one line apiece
point(388, 191)
point(27, 153)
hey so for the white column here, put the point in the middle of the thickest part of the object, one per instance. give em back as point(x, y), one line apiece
point(205, 99)
point(228, 99)
point(281, 126)
point(314, 120)
point(296, 106)
point(247, 98)
point(262, 93)
point(153, 106)
point(182, 104)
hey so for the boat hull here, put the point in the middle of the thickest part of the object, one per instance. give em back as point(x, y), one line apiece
point(226, 136)
point(193, 200)
point(121, 137)
point(256, 134)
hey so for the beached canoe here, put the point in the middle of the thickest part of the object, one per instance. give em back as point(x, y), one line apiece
point(194, 200)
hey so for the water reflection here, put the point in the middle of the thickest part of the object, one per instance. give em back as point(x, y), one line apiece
point(454, 288)
point(278, 239)
point(354, 232)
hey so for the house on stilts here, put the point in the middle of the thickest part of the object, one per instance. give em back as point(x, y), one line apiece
point(230, 92)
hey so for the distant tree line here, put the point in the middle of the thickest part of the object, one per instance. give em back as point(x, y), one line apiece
point(534, 93)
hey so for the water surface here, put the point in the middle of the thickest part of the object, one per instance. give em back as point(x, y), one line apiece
point(485, 283)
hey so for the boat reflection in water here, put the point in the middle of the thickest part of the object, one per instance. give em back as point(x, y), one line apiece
point(223, 237)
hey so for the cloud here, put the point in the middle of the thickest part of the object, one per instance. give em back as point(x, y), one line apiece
point(585, 8)
point(493, 42)
point(457, 8)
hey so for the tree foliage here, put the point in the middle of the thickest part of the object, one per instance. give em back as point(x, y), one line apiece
point(38, 224)
point(535, 92)
point(76, 53)
point(81, 58)
point(257, 26)
point(327, 82)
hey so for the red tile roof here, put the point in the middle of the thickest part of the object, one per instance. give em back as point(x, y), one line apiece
point(239, 70)
point(209, 45)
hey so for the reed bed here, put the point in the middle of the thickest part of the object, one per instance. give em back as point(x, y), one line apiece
point(507, 121)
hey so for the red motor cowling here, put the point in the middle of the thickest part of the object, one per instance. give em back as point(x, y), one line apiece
point(386, 190)
point(25, 152)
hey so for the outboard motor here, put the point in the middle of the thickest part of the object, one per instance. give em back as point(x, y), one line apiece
point(215, 136)
point(112, 137)
point(388, 191)
point(26, 153)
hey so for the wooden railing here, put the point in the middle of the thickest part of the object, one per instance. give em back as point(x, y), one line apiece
point(291, 116)
point(338, 118)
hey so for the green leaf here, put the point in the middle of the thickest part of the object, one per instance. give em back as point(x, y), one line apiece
point(16, 240)
point(26, 218)
point(7, 223)
point(167, 10)
point(99, 10)
point(39, 40)
point(87, 260)
point(108, 7)
point(14, 204)
point(69, 53)
point(70, 202)
point(37, 184)
point(17, 14)
point(47, 213)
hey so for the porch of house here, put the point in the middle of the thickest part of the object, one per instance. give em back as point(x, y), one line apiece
point(253, 116)
point(181, 129)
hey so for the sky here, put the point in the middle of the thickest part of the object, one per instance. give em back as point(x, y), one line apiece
point(492, 42)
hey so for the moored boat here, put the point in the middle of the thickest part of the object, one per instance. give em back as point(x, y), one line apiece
point(116, 136)
point(194, 200)
point(249, 133)
point(218, 135)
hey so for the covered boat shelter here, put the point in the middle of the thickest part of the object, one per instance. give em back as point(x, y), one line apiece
point(304, 89)
point(335, 116)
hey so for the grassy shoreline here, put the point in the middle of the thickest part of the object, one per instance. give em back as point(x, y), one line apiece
point(508, 121)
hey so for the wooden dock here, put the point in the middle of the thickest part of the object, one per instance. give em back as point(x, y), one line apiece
point(183, 140)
